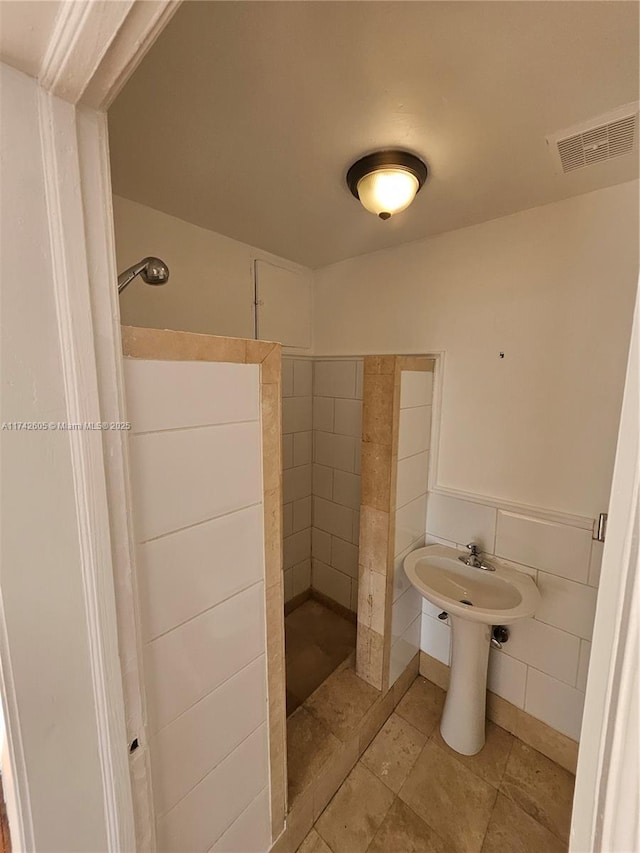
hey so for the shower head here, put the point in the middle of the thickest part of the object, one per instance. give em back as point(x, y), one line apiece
point(152, 271)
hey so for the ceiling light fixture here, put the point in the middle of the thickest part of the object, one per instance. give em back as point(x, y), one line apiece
point(386, 182)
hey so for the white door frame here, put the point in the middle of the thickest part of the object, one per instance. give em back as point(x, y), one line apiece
point(94, 49)
point(90, 333)
point(605, 813)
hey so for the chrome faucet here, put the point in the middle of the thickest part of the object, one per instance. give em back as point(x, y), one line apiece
point(475, 559)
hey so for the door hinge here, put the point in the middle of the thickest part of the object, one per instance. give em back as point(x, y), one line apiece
point(600, 527)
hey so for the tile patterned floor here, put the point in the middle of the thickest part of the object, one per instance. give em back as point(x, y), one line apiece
point(319, 729)
point(411, 793)
point(317, 641)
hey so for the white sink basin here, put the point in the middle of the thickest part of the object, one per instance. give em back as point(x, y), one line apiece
point(494, 598)
point(475, 600)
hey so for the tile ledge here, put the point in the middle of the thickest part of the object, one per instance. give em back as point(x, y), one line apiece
point(539, 513)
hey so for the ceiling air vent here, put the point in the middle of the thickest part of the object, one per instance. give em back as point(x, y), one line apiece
point(602, 138)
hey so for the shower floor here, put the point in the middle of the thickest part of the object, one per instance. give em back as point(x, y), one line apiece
point(317, 641)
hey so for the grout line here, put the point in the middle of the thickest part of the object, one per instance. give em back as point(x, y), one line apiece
point(406, 551)
point(206, 610)
point(426, 823)
point(452, 754)
point(557, 628)
point(210, 771)
point(195, 426)
point(235, 820)
point(417, 406)
point(206, 696)
point(493, 808)
point(413, 455)
point(293, 467)
point(411, 500)
point(199, 523)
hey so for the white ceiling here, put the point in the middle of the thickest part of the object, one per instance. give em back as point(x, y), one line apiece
point(244, 116)
point(25, 31)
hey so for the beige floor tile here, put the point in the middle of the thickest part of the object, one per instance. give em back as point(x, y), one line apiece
point(353, 816)
point(313, 843)
point(455, 802)
point(338, 638)
point(394, 751)
point(292, 702)
point(295, 637)
point(306, 668)
point(491, 761)
point(301, 617)
point(540, 787)
point(342, 701)
point(309, 746)
point(317, 642)
point(422, 705)
point(327, 629)
point(299, 821)
point(511, 829)
point(402, 831)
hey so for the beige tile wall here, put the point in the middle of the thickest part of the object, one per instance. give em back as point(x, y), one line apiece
point(382, 441)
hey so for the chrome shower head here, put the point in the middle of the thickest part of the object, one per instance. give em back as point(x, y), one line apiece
point(152, 271)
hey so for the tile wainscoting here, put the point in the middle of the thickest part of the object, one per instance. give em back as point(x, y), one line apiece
point(206, 487)
point(542, 669)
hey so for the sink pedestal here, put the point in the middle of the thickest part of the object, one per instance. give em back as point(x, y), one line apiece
point(463, 718)
point(475, 600)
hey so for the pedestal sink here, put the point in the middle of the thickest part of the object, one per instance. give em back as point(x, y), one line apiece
point(475, 599)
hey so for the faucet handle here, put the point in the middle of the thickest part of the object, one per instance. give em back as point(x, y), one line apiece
point(473, 548)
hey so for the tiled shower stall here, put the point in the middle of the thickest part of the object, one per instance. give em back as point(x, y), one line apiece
point(542, 669)
point(322, 425)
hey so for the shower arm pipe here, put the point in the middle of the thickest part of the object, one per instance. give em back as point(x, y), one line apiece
point(128, 275)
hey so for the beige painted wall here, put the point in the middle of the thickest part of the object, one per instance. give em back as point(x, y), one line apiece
point(211, 287)
point(552, 288)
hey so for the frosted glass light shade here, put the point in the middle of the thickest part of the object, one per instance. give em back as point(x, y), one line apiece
point(386, 182)
point(387, 191)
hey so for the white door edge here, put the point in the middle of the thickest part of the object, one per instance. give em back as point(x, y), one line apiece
point(605, 813)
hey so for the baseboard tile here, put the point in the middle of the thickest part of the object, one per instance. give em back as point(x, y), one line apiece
point(296, 601)
point(340, 609)
point(434, 670)
point(556, 746)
